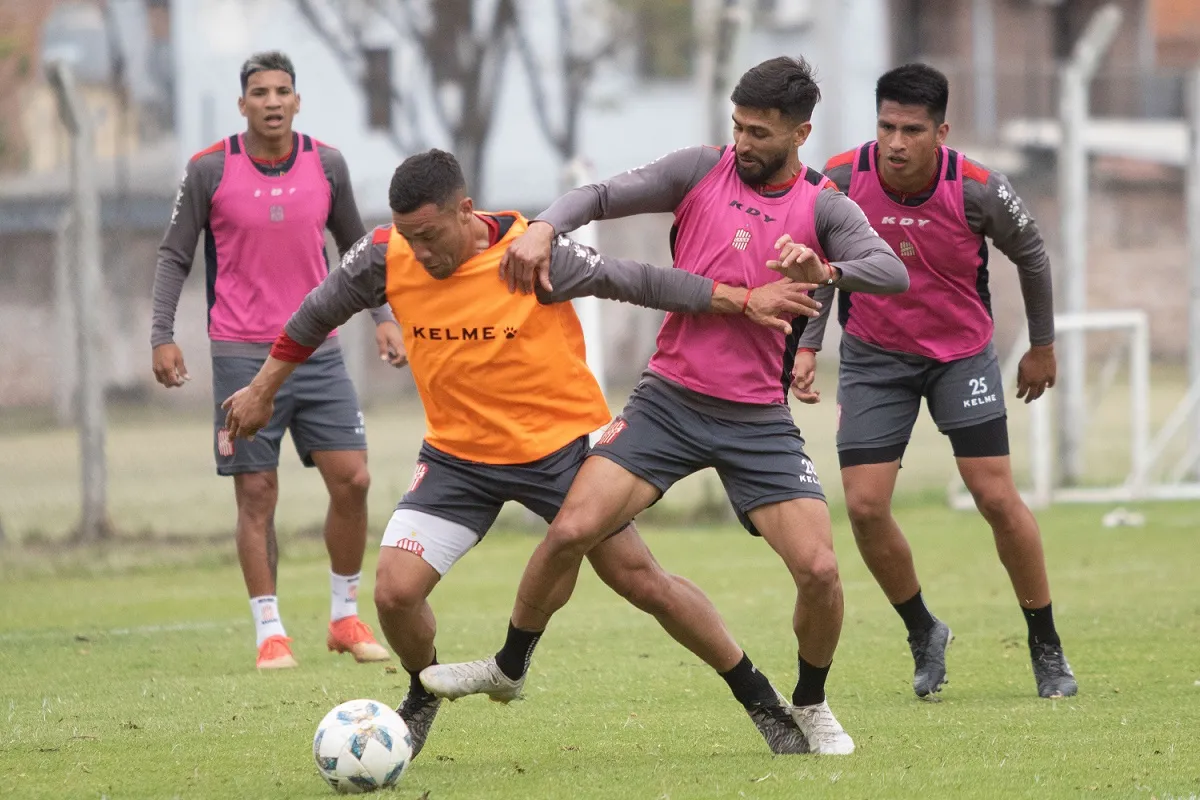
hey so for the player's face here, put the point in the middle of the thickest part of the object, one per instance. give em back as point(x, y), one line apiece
point(908, 144)
point(438, 235)
point(766, 142)
point(269, 103)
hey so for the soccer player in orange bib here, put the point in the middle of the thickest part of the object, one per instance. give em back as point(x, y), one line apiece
point(509, 403)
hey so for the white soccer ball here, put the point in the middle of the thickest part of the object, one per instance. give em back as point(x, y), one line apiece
point(361, 746)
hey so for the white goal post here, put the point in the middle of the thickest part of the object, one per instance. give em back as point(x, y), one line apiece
point(1146, 450)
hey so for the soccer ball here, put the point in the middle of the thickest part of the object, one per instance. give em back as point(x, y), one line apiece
point(361, 746)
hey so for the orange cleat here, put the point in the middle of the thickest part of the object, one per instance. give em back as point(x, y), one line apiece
point(352, 635)
point(274, 653)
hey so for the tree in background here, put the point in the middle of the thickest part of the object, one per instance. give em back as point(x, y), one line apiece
point(453, 55)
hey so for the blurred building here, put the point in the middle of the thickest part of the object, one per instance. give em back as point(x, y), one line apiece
point(380, 80)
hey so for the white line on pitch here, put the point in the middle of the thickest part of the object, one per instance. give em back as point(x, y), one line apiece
point(141, 630)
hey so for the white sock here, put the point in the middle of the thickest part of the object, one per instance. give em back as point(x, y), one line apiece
point(343, 595)
point(267, 622)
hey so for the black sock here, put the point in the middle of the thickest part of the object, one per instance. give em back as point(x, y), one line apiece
point(914, 613)
point(810, 688)
point(749, 686)
point(1041, 626)
point(513, 659)
point(415, 687)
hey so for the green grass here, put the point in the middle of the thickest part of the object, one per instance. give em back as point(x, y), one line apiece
point(123, 679)
point(128, 667)
point(161, 481)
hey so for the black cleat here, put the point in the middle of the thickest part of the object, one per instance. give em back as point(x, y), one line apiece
point(929, 657)
point(418, 711)
point(776, 725)
point(1052, 672)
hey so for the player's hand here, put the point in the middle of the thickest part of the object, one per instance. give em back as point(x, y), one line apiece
point(390, 342)
point(804, 372)
point(1036, 372)
point(799, 262)
point(247, 411)
point(774, 304)
point(169, 369)
point(527, 260)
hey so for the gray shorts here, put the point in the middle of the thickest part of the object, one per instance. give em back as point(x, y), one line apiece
point(317, 404)
point(661, 440)
point(880, 392)
point(471, 493)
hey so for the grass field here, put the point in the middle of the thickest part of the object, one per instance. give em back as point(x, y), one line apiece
point(128, 667)
point(133, 682)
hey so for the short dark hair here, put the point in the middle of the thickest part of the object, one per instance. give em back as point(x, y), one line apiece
point(915, 85)
point(784, 83)
point(267, 61)
point(430, 177)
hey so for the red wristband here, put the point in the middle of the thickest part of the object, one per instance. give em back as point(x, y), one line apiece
point(286, 348)
point(746, 302)
point(806, 350)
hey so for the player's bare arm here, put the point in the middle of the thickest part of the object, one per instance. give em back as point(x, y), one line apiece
point(657, 187)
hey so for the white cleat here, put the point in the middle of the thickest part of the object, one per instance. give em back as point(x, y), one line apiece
point(453, 681)
point(826, 736)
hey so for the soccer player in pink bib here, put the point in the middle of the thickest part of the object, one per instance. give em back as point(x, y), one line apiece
point(937, 208)
point(263, 199)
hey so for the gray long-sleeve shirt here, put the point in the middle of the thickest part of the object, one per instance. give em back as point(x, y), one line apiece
point(575, 271)
point(866, 262)
point(994, 210)
point(190, 219)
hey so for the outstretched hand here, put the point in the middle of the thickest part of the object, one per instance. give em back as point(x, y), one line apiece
point(775, 303)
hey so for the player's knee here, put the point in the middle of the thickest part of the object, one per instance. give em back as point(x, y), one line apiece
point(867, 512)
point(257, 494)
point(998, 504)
point(819, 576)
point(394, 596)
point(359, 482)
point(352, 487)
point(572, 534)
